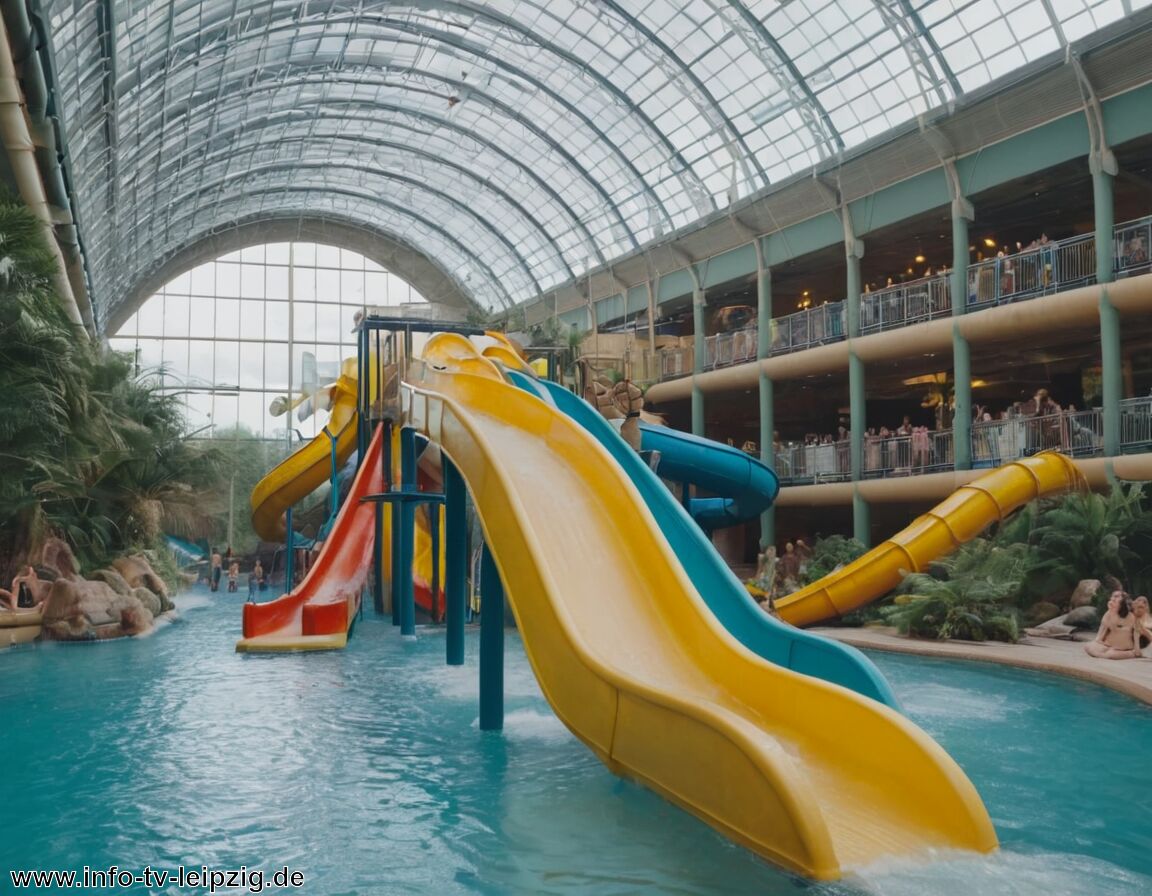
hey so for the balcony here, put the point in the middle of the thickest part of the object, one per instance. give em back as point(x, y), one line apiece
point(1078, 434)
point(1029, 274)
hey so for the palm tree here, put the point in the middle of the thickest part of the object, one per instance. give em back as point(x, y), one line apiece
point(1092, 536)
point(88, 451)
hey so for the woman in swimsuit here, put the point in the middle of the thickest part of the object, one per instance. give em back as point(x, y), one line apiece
point(1143, 621)
point(1117, 638)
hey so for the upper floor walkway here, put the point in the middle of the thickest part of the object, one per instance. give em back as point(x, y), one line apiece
point(1079, 434)
point(1027, 274)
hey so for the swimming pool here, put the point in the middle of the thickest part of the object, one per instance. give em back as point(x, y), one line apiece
point(364, 771)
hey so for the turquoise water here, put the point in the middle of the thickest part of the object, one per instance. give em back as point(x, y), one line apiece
point(365, 772)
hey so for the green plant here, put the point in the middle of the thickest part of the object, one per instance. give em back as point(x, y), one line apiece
point(1082, 536)
point(970, 609)
point(829, 554)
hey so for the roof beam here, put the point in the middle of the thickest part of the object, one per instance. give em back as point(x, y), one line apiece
point(220, 185)
point(392, 253)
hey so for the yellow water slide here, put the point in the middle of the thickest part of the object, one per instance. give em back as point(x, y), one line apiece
point(959, 518)
point(300, 474)
point(809, 775)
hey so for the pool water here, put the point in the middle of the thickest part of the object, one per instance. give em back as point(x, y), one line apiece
point(365, 771)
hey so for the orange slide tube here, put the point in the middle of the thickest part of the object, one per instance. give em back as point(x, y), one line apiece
point(959, 518)
point(319, 612)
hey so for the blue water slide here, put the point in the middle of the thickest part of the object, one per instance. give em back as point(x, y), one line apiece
point(728, 599)
point(746, 486)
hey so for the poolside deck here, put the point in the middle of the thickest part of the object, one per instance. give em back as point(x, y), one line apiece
point(1132, 677)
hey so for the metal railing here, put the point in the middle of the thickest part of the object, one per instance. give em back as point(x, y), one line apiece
point(994, 442)
point(908, 303)
point(1042, 270)
point(1133, 242)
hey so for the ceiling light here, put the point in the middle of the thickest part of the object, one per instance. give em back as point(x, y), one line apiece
point(919, 259)
point(989, 242)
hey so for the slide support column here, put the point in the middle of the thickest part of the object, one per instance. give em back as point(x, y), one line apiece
point(402, 568)
point(491, 644)
point(455, 561)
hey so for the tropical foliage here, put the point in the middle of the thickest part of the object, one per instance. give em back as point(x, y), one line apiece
point(828, 555)
point(89, 450)
point(1036, 557)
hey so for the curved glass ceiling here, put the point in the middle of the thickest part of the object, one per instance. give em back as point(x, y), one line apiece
point(516, 144)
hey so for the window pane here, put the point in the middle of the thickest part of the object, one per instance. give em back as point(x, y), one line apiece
point(351, 286)
point(251, 366)
point(252, 319)
point(276, 366)
point(227, 279)
point(227, 364)
point(276, 321)
point(203, 322)
point(251, 281)
point(227, 318)
point(304, 284)
point(277, 280)
point(303, 321)
point(176, 315)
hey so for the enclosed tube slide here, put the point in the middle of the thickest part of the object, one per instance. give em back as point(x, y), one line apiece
point(957, 519)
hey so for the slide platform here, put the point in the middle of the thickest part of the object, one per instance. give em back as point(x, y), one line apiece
point(725, 595)
point(319, 612)
point(959, 518)
point(809, 775)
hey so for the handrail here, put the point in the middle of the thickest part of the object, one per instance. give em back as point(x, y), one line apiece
point(1036, 271)
point(994, 442)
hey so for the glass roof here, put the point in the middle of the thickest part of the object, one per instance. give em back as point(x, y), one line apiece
point(515, 144)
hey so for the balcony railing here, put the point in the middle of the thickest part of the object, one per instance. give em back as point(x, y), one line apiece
point(994, 442)
point(1053, 267)
point(908, 303)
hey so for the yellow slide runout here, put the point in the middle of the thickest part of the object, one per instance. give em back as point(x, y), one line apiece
point(959, 518)
point(809, 775)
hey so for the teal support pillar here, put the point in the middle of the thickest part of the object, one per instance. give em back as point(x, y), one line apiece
point(857, 405)
point(1111, 368)
point(402, 562)
point(289, 554)
point(962, 213)
point(491, 645)
point(767, 393)
point(698, 352)
point(455, 561)
point(1103, 166)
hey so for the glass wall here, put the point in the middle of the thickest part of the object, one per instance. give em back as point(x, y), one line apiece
point(233, 335)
